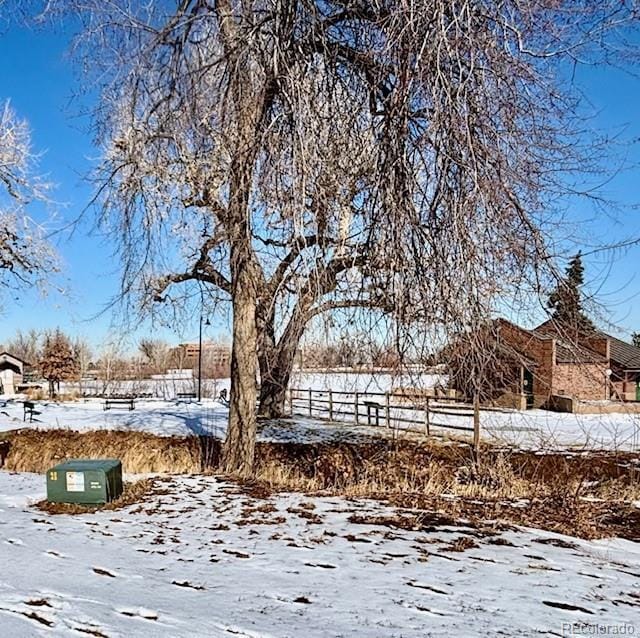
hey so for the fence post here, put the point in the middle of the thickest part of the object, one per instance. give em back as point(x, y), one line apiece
point(357, 409)
point(291, 401)
point(387, 418)
point(330, 405)
point(426, 417)
point(310, 402)
point(476, 424)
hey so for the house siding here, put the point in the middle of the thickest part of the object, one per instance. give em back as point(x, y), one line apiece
point(581, 381)
point(585, 380)
point(540, 350)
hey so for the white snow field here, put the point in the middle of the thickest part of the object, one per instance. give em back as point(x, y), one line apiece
point(347, 381)
point(534, 429)
point(545, 430)
point(165, 418)
point(363, 381)
point(200, 559)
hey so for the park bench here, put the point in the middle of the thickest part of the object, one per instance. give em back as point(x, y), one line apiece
point(373, 408)
point(185, 395)
point(109, 403)
point(30, 409)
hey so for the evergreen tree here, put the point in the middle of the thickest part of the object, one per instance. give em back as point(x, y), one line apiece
point(565, 301)
point(58, 361)
point(635, 339)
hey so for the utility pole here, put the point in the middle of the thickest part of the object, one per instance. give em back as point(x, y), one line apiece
point(200, 359)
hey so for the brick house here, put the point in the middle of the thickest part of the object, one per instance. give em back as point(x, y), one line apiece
point(216, 354)
point(625, 370)
point(546, 366)
point(558, 368)
point(624, 362)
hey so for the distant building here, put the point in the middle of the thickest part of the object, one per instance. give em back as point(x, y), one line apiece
point(554, 366)
point(214, 353)
point(11, 373)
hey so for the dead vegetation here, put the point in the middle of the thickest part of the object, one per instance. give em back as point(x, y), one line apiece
point(587, 494)
point(140, 453)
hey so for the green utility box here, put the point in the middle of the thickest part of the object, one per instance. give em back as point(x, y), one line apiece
point(85, 481)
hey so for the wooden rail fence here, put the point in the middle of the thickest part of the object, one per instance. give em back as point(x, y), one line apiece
point(413, 412)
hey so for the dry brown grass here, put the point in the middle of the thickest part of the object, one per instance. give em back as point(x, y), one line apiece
point(431, 468)
point(140, 453)
point(37, 394)
point(587, 495)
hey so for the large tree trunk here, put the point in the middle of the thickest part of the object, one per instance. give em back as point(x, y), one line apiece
point(276, 365)
point(239, 446)
point(273, 391)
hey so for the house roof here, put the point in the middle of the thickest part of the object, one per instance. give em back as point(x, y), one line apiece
point(509, 352)
point(568, 352)
point(623, 353)
point(13, 356)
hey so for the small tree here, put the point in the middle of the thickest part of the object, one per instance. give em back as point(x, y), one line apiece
point(111, 366)
point(635, 339)
point(565, 301)
point(58, 362)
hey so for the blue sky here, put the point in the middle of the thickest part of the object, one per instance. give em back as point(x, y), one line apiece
point(41, 82)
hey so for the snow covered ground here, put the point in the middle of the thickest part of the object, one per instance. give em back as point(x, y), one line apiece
point(544, 430)
point(201, 560)
point(363, 381)
point(534, 429)
point(164, 418)
point(338, 381)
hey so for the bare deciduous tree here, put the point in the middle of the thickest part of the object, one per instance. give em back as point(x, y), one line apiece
point(296, 158)
point(82, 354)
point(156, 353)
point(25, 255)
point(26, 346)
